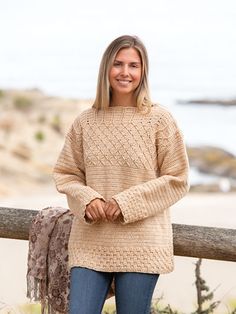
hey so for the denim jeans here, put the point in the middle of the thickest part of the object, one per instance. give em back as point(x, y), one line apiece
point(88, 290)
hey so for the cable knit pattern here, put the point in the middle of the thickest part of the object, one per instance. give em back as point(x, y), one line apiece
point(140, 161)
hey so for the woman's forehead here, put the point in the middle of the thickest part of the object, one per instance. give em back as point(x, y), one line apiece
point(128, 53)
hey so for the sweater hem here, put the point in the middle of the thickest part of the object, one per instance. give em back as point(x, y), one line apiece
point(120, 259)
point(122, 269)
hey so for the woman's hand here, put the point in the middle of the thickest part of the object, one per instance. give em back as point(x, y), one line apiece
point(112, 210)
point(95, 210)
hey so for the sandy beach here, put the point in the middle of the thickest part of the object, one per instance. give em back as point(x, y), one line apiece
point(176, 288)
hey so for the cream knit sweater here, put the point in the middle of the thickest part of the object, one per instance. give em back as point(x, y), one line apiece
point(140, 161)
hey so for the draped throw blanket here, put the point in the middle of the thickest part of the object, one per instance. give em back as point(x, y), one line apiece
point(48, 274)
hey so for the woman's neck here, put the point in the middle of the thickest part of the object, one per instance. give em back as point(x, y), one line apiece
point(124, 101)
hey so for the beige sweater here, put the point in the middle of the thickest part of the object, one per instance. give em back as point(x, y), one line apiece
point(139, 160)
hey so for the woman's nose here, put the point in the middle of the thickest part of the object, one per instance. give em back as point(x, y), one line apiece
point(125, 70)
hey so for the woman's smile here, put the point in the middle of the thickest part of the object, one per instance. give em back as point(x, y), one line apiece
point(124, 82)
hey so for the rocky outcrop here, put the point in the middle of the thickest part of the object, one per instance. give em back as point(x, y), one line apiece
point(206, 101)
point(213, 160)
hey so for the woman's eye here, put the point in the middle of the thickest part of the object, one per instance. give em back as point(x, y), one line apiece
point(134, 65)
point(116, 64)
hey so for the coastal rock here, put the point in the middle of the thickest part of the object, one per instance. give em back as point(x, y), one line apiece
point(214, 187)
point(207, 101)
point(213, 160)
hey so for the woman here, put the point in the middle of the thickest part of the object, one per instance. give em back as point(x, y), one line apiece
point(122, 166)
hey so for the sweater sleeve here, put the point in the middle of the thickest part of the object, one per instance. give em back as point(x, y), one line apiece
point(154, 196)
point(69, 172)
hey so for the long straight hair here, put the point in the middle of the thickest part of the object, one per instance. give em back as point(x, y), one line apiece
point(104, 93)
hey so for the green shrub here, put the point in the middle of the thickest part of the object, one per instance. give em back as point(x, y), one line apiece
point(22, 103)
point(156, 308)
point(56, 123)
point(39, 136)
point(2, 94)
point(30, 308)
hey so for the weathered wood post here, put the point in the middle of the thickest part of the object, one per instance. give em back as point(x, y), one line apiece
point(15, 222)
point(189, 240)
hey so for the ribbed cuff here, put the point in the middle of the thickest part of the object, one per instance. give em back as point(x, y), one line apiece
point(131, 205)
point(78, 206)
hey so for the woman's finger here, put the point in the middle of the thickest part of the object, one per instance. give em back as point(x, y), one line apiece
point(101, 212)
point(116, 214)
point(88, 215)
point(92, 214)
point(110, 212)
point(92, 211)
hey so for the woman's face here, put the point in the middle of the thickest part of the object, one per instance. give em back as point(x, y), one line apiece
point(125, 72)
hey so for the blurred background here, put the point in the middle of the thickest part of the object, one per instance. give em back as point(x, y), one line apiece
point(49, 58)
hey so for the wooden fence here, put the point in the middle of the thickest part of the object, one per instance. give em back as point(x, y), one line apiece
point(189, 240)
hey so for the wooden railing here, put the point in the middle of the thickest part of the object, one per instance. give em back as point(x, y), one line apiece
point(189, 240)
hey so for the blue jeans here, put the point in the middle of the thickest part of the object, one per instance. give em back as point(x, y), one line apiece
point(89, 288)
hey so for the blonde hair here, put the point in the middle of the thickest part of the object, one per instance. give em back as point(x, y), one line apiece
point(103, 96)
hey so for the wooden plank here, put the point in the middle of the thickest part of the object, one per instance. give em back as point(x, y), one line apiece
point(205, 242)
point(189, 240)
point(15, 222)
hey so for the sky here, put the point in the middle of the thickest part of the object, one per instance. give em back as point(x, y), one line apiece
point(49, 23)
point(46, 37)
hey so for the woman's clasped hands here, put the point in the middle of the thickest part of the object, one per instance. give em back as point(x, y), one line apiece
point(98, 209)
